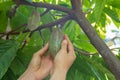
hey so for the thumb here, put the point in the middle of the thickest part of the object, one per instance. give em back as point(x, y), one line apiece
point(64, 45)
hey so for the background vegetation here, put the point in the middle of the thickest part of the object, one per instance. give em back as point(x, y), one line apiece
point(18, 43)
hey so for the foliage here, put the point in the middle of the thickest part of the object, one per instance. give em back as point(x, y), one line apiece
point(14, 60)
point(8, 51)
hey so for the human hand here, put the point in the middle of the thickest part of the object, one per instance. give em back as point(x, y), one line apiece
point(63, 60)
point(39, 66)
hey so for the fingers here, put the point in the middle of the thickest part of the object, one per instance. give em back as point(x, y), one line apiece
point(64, 45)
point(42, 51)
point(70, 46)
point(45, 67)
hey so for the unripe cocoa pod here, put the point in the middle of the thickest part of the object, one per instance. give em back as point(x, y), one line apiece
point(33, 20)
point(55, 41)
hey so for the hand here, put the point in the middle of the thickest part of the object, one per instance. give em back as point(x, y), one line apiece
point(39, 66)
point(63, 60)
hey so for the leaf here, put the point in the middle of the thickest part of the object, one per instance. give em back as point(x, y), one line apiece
point(115, 4)
point(21, 16)
point(112, 13)
point(70, 29)
point(45, 35)
point(86, 68)
point(99, 68)
point(7, 53)
point(83, 42)
point(35, 39)
point(99, 6)
point(20, 63)
point(17, 67)
point(29, 1)
point(9, 75)
point(4, 7)
point(47, 18)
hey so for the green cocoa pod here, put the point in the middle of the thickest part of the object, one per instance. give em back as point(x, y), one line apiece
point(33, 20)
point(55, 41)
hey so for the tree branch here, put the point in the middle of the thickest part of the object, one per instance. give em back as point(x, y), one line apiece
point(44, 12)
point(59, 21)
point(76, 6)
point(108, 56)
point(44, 5)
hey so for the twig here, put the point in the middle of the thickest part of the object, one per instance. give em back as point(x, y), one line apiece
point(44, 12)
point(25, 42)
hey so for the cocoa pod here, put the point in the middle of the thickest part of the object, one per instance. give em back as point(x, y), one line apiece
point(55, 41)
point(33, 20)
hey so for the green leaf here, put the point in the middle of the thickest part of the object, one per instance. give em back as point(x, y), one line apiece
point(115, 3)
point(9, 75)
point(70, 29)
point(35, 39)
point(47, 18)
point(99, 6)
point(7, 53)
point(17, 67)
point(86, 68)
point(112, 13)
point(45, 35)
point(20, 63)
point(83, 42)
point(21, 16)
point(4, 7)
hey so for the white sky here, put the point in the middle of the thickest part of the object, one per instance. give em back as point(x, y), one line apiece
point(109, 33)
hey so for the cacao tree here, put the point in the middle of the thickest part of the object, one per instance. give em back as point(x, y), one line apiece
point(26, 25)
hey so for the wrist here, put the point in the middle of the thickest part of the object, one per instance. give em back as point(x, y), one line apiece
point(27, 76)
point(58, 74)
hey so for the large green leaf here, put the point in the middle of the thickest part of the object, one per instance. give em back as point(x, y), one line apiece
point(4, 7)
point(70, 29)
point(82, 42)
point(115, 3)
point(9, 75)
point(112, 13)
point(7, 53)
point(17, 66)
point(47, 18)
point(20, 63)
point(35, 39)
point(98, 9)
point(86, 68)
point(21, 16)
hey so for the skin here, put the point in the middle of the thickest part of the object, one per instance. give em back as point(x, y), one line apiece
point(63, 60)
point(40, 65)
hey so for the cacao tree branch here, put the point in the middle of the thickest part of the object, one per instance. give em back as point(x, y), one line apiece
point(97, 42)
point(9, 33)
point(59, 21)
point(44, 12)
point(44, 5)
